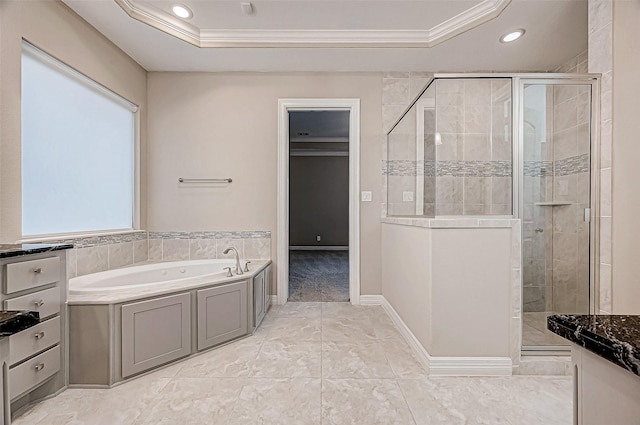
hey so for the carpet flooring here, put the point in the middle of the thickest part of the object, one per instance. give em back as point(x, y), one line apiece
point(319, 276)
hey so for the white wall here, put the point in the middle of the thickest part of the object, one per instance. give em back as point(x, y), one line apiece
point(456, 286)
point(471, 292)
point(406, 277)
point(57, 30)
point(626, 152)
point(225, 125)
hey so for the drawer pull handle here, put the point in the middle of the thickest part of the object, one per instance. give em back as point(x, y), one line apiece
point(39, 335)
point(39, 367)
point(38, 270)
point(39, 303)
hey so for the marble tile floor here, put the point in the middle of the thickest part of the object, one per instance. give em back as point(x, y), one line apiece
point(535, 332)
point(316, 364)
point(318, 276)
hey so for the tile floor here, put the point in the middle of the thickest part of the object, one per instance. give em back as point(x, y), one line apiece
point(312, 363)
point(319, 276)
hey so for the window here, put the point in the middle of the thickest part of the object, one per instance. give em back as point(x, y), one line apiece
point(78, 151)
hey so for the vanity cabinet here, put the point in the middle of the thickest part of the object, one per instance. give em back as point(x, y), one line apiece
point(222, 314)
point(155, 332)
point(36, 357)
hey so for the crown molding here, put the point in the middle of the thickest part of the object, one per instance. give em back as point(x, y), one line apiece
point(210, 38)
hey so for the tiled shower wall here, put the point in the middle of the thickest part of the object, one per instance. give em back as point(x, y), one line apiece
point(399, 163)
point(601, 61)
point(571, 163)
point(556, 256)
point(473, 163)
point(471, 168)
point(100, 253)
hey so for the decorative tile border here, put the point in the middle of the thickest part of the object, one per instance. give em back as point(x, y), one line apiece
point(409, 168)
point(257, 234)
point(563, 167)
point(572, 165)
point(399, 167)
point(80, 242)
point(474, 168)
point(538, 168)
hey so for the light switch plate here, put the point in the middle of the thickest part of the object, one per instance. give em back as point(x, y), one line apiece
point(366, 196)
point(407, 196)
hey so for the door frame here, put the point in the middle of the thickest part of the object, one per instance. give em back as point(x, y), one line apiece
point(282, 231)
point(518, 87)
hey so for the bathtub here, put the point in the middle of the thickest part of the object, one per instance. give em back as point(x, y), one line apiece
point(152, 275)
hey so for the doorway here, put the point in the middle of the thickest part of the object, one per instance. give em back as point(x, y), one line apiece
point(318, 209)
point(319, 206)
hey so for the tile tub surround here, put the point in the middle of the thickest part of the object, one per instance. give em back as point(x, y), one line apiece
point(304, 366)
point(612, 337)
point(100, 253)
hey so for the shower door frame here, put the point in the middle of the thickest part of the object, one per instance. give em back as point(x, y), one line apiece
point(519, 82)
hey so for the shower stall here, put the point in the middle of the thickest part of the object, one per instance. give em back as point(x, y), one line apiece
point(509, 145)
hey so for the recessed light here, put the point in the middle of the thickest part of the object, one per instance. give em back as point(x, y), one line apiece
point(512, 36)
point(182, 11)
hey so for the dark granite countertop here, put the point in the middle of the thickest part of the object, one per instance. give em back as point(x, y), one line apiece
point(615, 338)
point(17, 250)
point(12, 322)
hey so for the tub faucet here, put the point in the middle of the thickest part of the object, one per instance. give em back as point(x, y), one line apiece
point(238, 267)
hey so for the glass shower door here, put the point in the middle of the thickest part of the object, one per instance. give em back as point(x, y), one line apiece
point(555, 205)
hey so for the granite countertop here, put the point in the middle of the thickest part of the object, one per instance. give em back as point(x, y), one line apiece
point(615, 338)
point(12, 322)
point(17, 250)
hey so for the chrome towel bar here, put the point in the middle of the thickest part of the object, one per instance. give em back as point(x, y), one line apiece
point(183, 180)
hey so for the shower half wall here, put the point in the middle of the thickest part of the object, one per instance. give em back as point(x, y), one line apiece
point(477, 153)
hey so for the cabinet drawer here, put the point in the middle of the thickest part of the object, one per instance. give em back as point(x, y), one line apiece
point(31, 274)
point(33, 340)
point(45, 302)
point(34, 371)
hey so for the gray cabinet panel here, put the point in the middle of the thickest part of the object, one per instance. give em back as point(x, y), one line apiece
point(155, 332)
point(267, 289)
point(258, 298)
point(222, 314)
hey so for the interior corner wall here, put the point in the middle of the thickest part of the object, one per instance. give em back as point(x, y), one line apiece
point(217, 125)
point(626, 151)
point(60, 32)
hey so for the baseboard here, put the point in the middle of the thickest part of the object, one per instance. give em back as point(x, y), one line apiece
point(318, 248)
point(442, 366)
point(470, 366)
point(274, 299)
point(371, 299)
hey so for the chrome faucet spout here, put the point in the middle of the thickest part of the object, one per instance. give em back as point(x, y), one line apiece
point(238, 267)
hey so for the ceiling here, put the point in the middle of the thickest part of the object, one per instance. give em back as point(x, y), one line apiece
point(346, 35)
